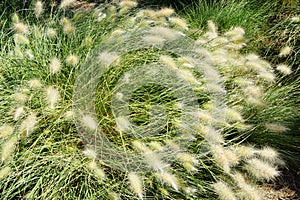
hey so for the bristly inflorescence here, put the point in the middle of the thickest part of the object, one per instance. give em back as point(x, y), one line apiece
point(153, 107)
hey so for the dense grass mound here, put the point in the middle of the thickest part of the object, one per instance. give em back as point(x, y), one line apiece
point(118, 101)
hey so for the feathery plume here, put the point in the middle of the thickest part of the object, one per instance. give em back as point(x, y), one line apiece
point(52, 96)
point(233, 115)
point(90, 153)
point(186, 157)
point(6, 130)
point(267, 76)
point(5, 172)
point(38, 8)
point(51, 32)
point(253, 91)
point(248, 191)
point(276, 128)
point(21, 28)
point(34, 83)
point(268, 153)
point(69, 29)
point(285, 51)
point(136, 184)
point(245, 151)
point(261, 170)
point(165, 12)
point(284, 69)
point(69, 114)
point(155, 146)
point(18, 113)
point(15, 18)
point(66, 3)
point(140, 146)
point(168, 61)
point(224, 191)
point(8, 148)
point(123, 124)
point(178, 22)
point(28, 125)
point(97, 171)
point(72, 60)
point(169, 179)
point(128, 4)
point(54, 65)
point(154, 161)
point(20, 39)
point(20, 97)
point(89, 122)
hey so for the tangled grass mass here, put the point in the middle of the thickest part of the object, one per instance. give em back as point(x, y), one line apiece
point(119, 102)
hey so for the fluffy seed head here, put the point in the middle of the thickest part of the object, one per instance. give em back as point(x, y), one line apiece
point(267, 76)
point(55, 65)
point(186, 157)
point(69, 29)
point(52, 96)
point(295, 19)
point(261, 170)
point(21, 28)
point(21, 39)
point(89, 122)
point(214, 137)
point(128, 4)
point(72, 60)
point(233, 115)
point(5, 172)
point(6, 130)
point(155, 146)
point(90, 153)
point(165, 12)
point(268, 153)
point(28, 125)
point(154, 161)
point(140, 146)
point(15, 18)
point(34, 83)
point(69, 114)
point(8, 148)
point(136, 184)
point(253, 91)
point(18, 113)
point(169, 179)
point(38, 8)
point(188, 76)
point(285, 51)
point(284, 69)
point(245, 151)
point(20, 97)
point(248, 191)
point(168, 61)
point(51, 32)
point(211, 26)
point(276, 128)
point(178, 22)
point(236, 31)
point(66, 3)
point(123, 124)
point(219, 154)
point(224, 191)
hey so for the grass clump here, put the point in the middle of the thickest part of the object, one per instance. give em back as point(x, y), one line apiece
point(118, 101)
